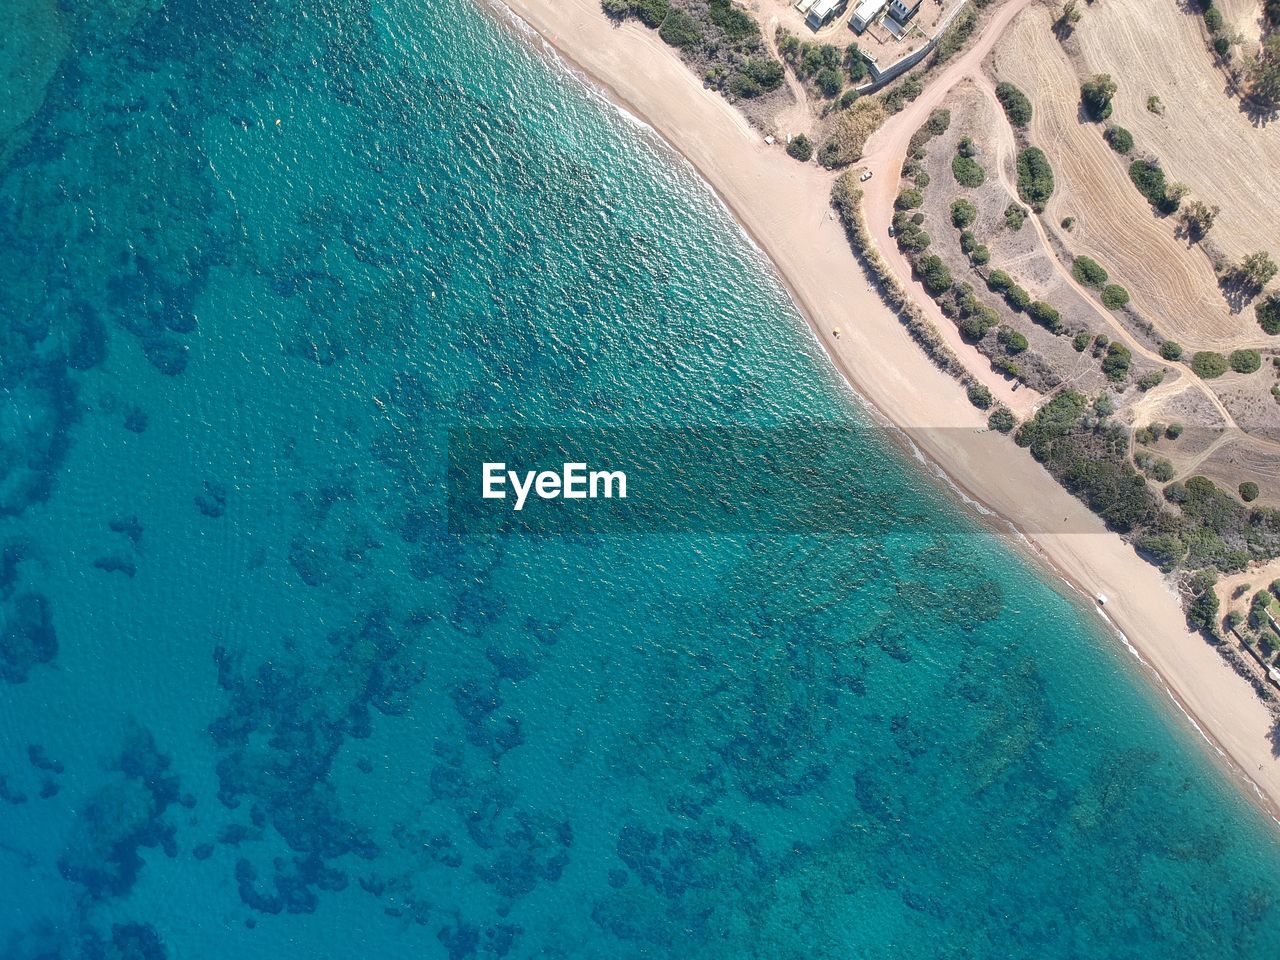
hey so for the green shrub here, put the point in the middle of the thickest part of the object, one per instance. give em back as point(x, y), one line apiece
point(1014, 216)
point(1268, 312)
point(1151, 379)
point(1045, 315)
point(1068, 223)
point(1173, 431)
point(972, 329)
point(1035, 178)
point(1088, 271)
point(1114, 296)
point(1001, 419)
point(736, 24)
point(1149, 179)
point(979, 256)
point(1011, 340)
point(1245, 361)
point(680, 30)
point(649, 12)
point(1162, 471)
point(967, 171)
point(909, 199)
point(1119, 139)
point(1116, 363)
point(938, 122)
point(830, 81)
point(1171, 350)
point(934, 274)
point(997, 281)
point(979, 396)
point(963, 213)
point(1016, 105)
point(1007, 367)
point(1017, 298)
point(1081, 341)
point(1096, 94)
point(801, 148)
point(1213, 20)
point(1208, 364)
point(1248, 491)
point(765, 72)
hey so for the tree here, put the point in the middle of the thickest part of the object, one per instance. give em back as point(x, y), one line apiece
point(967, 171)
point(963, 213)
point(979, 396)
point(1197, 218)
point(1070, 15)
point(1248, 491)
point(1171, 350)
point(801, 148)
point(854, 63)
point(1268, 312)
point(1116, 363)
point(1255, 271)
point(934, 274)
point(1096, 94)
point(830, 81)
point(1263, 72)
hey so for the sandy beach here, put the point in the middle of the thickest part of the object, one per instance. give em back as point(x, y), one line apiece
point(785, 207)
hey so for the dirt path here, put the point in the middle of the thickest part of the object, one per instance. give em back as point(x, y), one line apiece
point(1006, 154)
point(796, 118)
point(886, 152)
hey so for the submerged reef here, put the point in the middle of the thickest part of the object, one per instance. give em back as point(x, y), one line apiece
point(122, 817)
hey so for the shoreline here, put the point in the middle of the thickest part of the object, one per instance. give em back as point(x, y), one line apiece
point(784, 209)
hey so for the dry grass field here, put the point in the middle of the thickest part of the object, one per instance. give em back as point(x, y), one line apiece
point(1172, 283)
point(1203, 138)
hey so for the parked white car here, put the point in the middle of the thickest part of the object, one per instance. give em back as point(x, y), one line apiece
point(866, 175)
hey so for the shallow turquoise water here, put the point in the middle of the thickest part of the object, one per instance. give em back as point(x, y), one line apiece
point(258, 702)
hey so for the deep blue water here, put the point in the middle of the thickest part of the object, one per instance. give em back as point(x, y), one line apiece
point(257, 701)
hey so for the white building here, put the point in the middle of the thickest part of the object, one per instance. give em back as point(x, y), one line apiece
point(903, 10)
point(822, 11)
point(865, 12)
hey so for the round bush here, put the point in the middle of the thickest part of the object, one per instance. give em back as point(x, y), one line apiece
point(979, 396)
point(801, 148)
point(1114, 296)
point(1246, 361)
point(1001, 419)
point(1248, 491)
point(1119, 139)
point(967, 171)
point(963, 213)
point(1171, 350)
point(1208, 364)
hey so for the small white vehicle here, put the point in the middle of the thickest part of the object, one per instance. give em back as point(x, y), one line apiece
point(866, 175)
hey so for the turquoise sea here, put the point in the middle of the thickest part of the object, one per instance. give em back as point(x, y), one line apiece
point(257, 700)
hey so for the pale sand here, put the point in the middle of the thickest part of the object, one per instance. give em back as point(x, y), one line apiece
point(785, 208)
